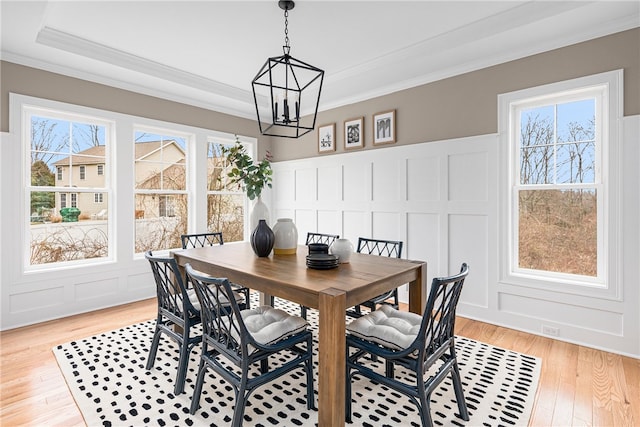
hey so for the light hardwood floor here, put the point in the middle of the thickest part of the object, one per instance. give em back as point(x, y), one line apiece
point(579, 386)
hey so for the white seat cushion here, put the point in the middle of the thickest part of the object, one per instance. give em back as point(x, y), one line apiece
point(269, 325)
point(196, 304)
point(388, 327)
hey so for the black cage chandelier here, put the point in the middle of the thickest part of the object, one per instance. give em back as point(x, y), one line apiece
point(284, 89)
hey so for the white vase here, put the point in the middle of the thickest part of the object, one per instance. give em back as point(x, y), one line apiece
point(259, 211)
point(343, 249)
point(286, 237)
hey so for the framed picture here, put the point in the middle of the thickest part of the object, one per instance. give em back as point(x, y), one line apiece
point(353, 133)
point(384, 127)
point(327, 138)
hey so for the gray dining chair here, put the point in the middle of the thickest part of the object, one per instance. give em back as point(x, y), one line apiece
point(233, 341)
point(417, 343)
point(177, 314)
point(388, 248)
point(200, 240)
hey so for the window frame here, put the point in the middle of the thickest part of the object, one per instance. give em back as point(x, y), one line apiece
point(608, 85)
point(28, 108)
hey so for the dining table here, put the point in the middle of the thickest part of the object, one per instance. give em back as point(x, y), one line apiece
point(331, 291)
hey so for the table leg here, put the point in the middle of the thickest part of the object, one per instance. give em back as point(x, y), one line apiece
point(418, 291)
point(331, 372)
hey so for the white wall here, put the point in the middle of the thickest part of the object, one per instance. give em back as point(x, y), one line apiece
point(441, 199)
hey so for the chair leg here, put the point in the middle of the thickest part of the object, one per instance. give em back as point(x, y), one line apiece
point(457, 388)
point(195, 399)
point(347, 398)
point(424, 408)
point(154, 345)
point(308, 367)
point(183, 363)
point(389, 369)
point(303, 312)
point(238, 410)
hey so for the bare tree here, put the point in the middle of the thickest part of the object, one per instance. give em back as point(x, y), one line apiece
point(46, 140)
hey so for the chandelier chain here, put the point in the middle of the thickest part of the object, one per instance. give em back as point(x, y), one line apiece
point(286, 48)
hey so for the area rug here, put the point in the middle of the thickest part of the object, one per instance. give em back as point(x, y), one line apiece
point(108, 380)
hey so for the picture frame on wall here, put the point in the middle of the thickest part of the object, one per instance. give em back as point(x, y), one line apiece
point(354, 133)
point(384, 127)
point(327, 138)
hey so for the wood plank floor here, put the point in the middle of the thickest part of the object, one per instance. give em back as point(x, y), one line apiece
point(579, 386)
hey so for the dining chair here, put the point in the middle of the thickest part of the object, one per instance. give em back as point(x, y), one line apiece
point(414, 342)
point(178, 313)
point(313, 237)
point(247, 338)
point(388, 248)
point(321, 238)
point(199, 240)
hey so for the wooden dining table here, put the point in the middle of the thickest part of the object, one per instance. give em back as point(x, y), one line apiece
point(330, 291)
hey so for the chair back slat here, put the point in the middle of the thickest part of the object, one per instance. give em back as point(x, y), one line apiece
point(200, 240)
point(171, 293)
point(321, 238)
point(222, 323)
point(388, 248)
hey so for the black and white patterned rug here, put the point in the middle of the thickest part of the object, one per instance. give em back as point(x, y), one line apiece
point(107, 377)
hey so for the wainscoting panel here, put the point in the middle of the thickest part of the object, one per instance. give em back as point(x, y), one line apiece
point(328, 222)
point(95, 289)
point(330, 184)
point(42, 298)
point(423, 179)
point(468, 242)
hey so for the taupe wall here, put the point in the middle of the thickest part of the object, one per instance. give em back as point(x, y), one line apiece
point(42, 84)
point(466, 105)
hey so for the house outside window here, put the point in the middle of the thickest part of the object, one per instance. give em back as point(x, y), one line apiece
point(98, 198)
point(561, 138)
point(160, 188)
point(59, 169)
point(83, 172)
point(63, 200)
point(100, 169)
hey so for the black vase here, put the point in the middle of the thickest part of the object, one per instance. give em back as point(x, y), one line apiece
point(262, 239)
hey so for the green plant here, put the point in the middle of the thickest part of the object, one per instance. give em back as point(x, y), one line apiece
point(252, 177)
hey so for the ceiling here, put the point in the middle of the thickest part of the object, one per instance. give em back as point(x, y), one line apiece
point(206, 53)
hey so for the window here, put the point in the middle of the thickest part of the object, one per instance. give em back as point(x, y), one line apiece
point(559, 195)
point(225, 202)
point(60, 145)
point(100, 169)
point(160, 189)
point(98, 198)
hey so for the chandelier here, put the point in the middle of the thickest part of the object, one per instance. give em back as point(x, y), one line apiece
point(284, 90)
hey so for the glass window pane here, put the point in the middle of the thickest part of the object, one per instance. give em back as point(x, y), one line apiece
point(225, 213)
point(536, 165)
point(576, 121)
point(536, 126)
point(576, 163)
point(160, 162)
point(558, 231)
point(217, 179)
point(160, 219)
point(57, 238)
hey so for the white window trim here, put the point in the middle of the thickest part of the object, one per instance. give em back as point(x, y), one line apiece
point(610, 286)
